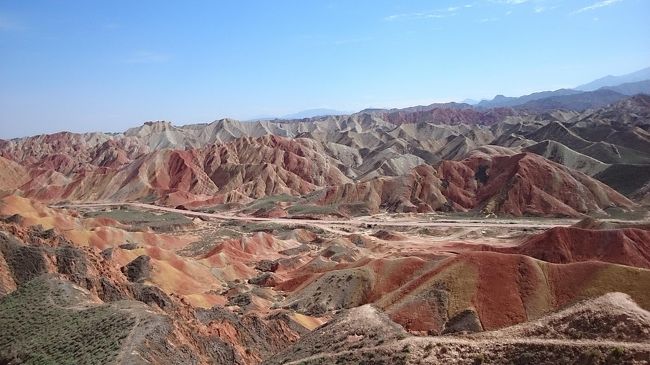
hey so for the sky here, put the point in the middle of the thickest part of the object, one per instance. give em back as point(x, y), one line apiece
point(110, 65)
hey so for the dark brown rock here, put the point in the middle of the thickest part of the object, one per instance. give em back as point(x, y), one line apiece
point(139, 269)
point(267, 266)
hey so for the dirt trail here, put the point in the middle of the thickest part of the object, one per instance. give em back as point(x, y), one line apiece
point(335, 226)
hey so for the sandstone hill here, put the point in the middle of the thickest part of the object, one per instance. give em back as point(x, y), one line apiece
point(438, 155)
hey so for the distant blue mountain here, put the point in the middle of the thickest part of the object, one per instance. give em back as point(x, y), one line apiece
point(505, 101)
point(470, 101)
point(577, 102)
point(608, 81)
point(632, 88)
point(310, 113)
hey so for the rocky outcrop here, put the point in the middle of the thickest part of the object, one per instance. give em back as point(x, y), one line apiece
point(139, 269)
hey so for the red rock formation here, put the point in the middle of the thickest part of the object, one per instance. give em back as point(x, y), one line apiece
point(505, 289)
point(418, 191)
point(525, 184)
point(627, 246)
point(12, 175)
point(87, 167)
point(238, 171)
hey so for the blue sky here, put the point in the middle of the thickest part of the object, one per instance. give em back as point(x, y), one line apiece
point(109, 65)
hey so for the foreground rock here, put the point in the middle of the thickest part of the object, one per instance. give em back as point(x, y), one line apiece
point(578, 335)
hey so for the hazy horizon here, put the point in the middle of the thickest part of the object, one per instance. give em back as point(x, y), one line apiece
point(85, 67)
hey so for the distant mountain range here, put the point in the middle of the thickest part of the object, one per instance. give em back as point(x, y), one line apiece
point(505, 101)
point(595, 94)
point(608, 81)
point(578, 101)
point(309, 113)
point(601, 92)
point(631, 88)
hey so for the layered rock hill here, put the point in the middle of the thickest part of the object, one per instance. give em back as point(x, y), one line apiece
point(495, 289)
point(415, 159)
point(241, 170)
point(525, 184)
point(625, 246)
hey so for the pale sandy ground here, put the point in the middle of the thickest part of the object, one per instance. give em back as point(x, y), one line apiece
point(377, 221)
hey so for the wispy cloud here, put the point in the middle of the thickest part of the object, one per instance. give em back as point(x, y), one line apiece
point(597, 5)
point(142, 57)
point(488, 20)
point(545, 8)
point(433, 14)
point(417, 15)
point(536, 6)
point(510, 2)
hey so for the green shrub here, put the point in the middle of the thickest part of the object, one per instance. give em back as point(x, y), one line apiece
point(40, 330)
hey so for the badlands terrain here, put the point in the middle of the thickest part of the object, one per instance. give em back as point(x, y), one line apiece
point(515, 232)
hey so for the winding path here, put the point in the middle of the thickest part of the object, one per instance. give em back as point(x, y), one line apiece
point(336, 226)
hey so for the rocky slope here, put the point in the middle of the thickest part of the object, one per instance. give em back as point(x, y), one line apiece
point(347, 159)
point(103, 306)
point(524, 184)
point(563, 338)
point(626, 246)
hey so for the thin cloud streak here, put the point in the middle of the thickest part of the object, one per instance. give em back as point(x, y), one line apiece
point(420, 15)
point(597, 5)
point(510, 2)
point(434, 14)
